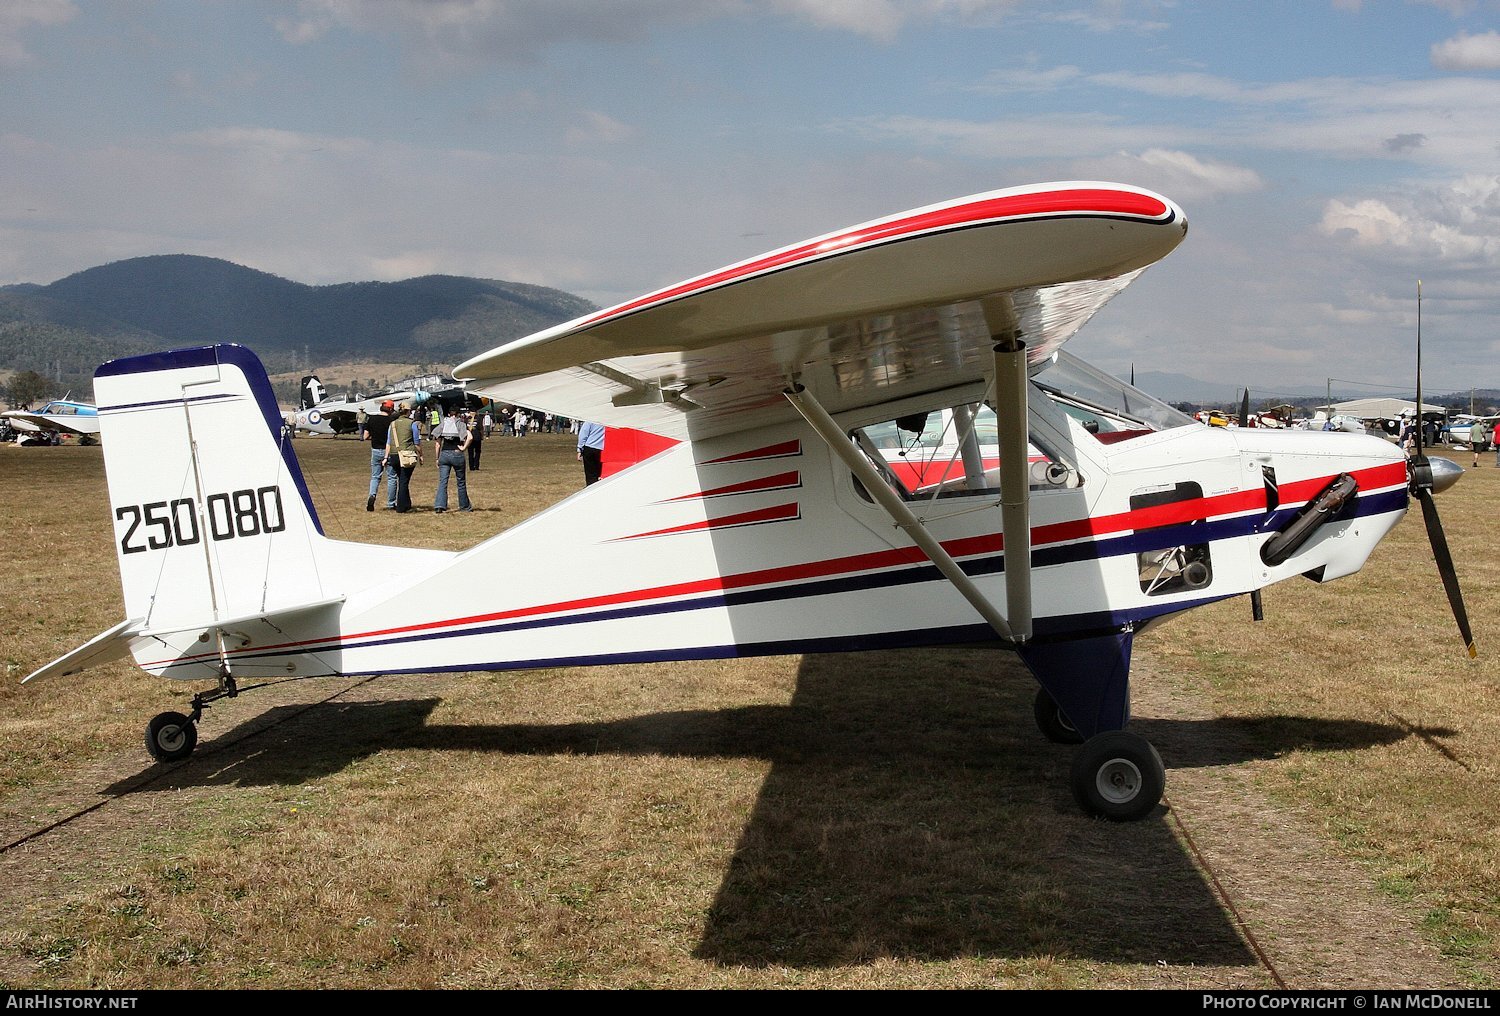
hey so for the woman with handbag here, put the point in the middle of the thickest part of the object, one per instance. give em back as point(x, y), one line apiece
point(404, 444)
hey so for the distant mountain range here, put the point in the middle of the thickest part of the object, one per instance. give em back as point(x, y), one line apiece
point(1181, 388)
point(65, 329)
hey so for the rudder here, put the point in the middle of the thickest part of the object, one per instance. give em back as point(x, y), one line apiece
point(212, 518)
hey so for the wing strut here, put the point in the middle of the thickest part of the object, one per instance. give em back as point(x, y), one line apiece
point(1015, 479)
point(817, 417)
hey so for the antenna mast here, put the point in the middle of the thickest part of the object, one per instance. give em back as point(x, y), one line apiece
point(1421, 423)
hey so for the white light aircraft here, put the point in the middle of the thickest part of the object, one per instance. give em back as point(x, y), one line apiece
point(777, 524)
point(61, 416)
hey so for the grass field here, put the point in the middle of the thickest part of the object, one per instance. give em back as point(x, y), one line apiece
point(865, 820)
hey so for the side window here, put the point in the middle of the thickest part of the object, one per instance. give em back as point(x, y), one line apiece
point(949, 451)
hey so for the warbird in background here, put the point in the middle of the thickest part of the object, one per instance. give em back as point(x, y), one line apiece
point(317, 414)
point(881, 444)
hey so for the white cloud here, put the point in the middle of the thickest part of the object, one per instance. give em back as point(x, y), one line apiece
point(16, 16)
point(1106, 17)
point(1064, 136)
point(1456, 8)
point(1180, 175)
point(458, 33)
point(596, 128)
point(883, 20)
point(1458, 223)
point(1005, 82)
point(1465, 52)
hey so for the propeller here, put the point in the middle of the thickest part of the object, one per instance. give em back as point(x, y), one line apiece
point(1440, 552)
point(1425, 476)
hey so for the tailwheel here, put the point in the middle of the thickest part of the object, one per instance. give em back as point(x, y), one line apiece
point(171, 737)
point(1050, 719)
point(1119, 776)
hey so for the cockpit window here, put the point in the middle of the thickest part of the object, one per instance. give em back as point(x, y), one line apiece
point(950, 451)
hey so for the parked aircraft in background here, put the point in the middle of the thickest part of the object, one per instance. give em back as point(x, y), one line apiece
point(56, 418)
point(317, 414)
point(776, 524)
point(1457, 433)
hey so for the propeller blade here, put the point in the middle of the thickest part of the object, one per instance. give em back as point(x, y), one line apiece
point(1445, 566)
point(1245, 409)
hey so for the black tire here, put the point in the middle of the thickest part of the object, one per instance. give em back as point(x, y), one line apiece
point(1119, 776)
point(171, 737)
point(1051, 721)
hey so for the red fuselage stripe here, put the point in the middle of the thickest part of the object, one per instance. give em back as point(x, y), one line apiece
point(1371, 479)
point(781, 481)
point(775, 451)
point(779, 513)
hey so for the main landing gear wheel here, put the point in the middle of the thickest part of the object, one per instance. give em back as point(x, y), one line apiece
point(171, 737)
point(1119, 776)
point(1050, 719)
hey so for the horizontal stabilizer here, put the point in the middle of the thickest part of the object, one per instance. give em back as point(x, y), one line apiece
point(103, 648)
point(211, 625)
point(118, 642)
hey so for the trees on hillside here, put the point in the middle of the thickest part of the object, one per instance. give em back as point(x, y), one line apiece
point(28, 387)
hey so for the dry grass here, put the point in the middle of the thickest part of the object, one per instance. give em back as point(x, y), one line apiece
point(1384, 727)
point(853, 821)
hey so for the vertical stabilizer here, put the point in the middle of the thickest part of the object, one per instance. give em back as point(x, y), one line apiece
point(212, 518)
point(312, 392)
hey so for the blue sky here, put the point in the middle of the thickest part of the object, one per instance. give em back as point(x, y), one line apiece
point(1329, 153)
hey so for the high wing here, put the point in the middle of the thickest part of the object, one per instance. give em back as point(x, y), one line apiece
point(892, 307)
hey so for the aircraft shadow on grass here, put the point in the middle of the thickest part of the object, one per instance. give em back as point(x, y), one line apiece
point(912, 810)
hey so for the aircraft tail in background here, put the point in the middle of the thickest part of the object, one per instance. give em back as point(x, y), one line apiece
point(313, 392)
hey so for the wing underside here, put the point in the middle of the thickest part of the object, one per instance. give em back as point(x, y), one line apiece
point(81, 425)
point(898, 306)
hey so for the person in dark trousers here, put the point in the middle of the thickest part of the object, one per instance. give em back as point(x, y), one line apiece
point(451, 440)
point(1479, 439)
point(403, 449)
point(376, 430)
point(476, 440)
point(591, 451)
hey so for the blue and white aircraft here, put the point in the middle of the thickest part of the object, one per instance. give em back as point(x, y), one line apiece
point(58, 417)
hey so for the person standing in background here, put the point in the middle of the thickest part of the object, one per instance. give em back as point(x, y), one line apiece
point(376, 430)
point(591, 451)
point(403, 449)
point(476, 440)
point(1479, 439)
point(451, 441)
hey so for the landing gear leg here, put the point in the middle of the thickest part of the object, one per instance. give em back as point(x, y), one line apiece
point(171, 737)
point(1051, 720)
point(1119, 776)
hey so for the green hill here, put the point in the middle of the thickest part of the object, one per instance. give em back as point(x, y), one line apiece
point(65, 329)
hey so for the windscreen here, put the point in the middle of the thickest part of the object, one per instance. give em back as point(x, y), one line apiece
point(1102, 401)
